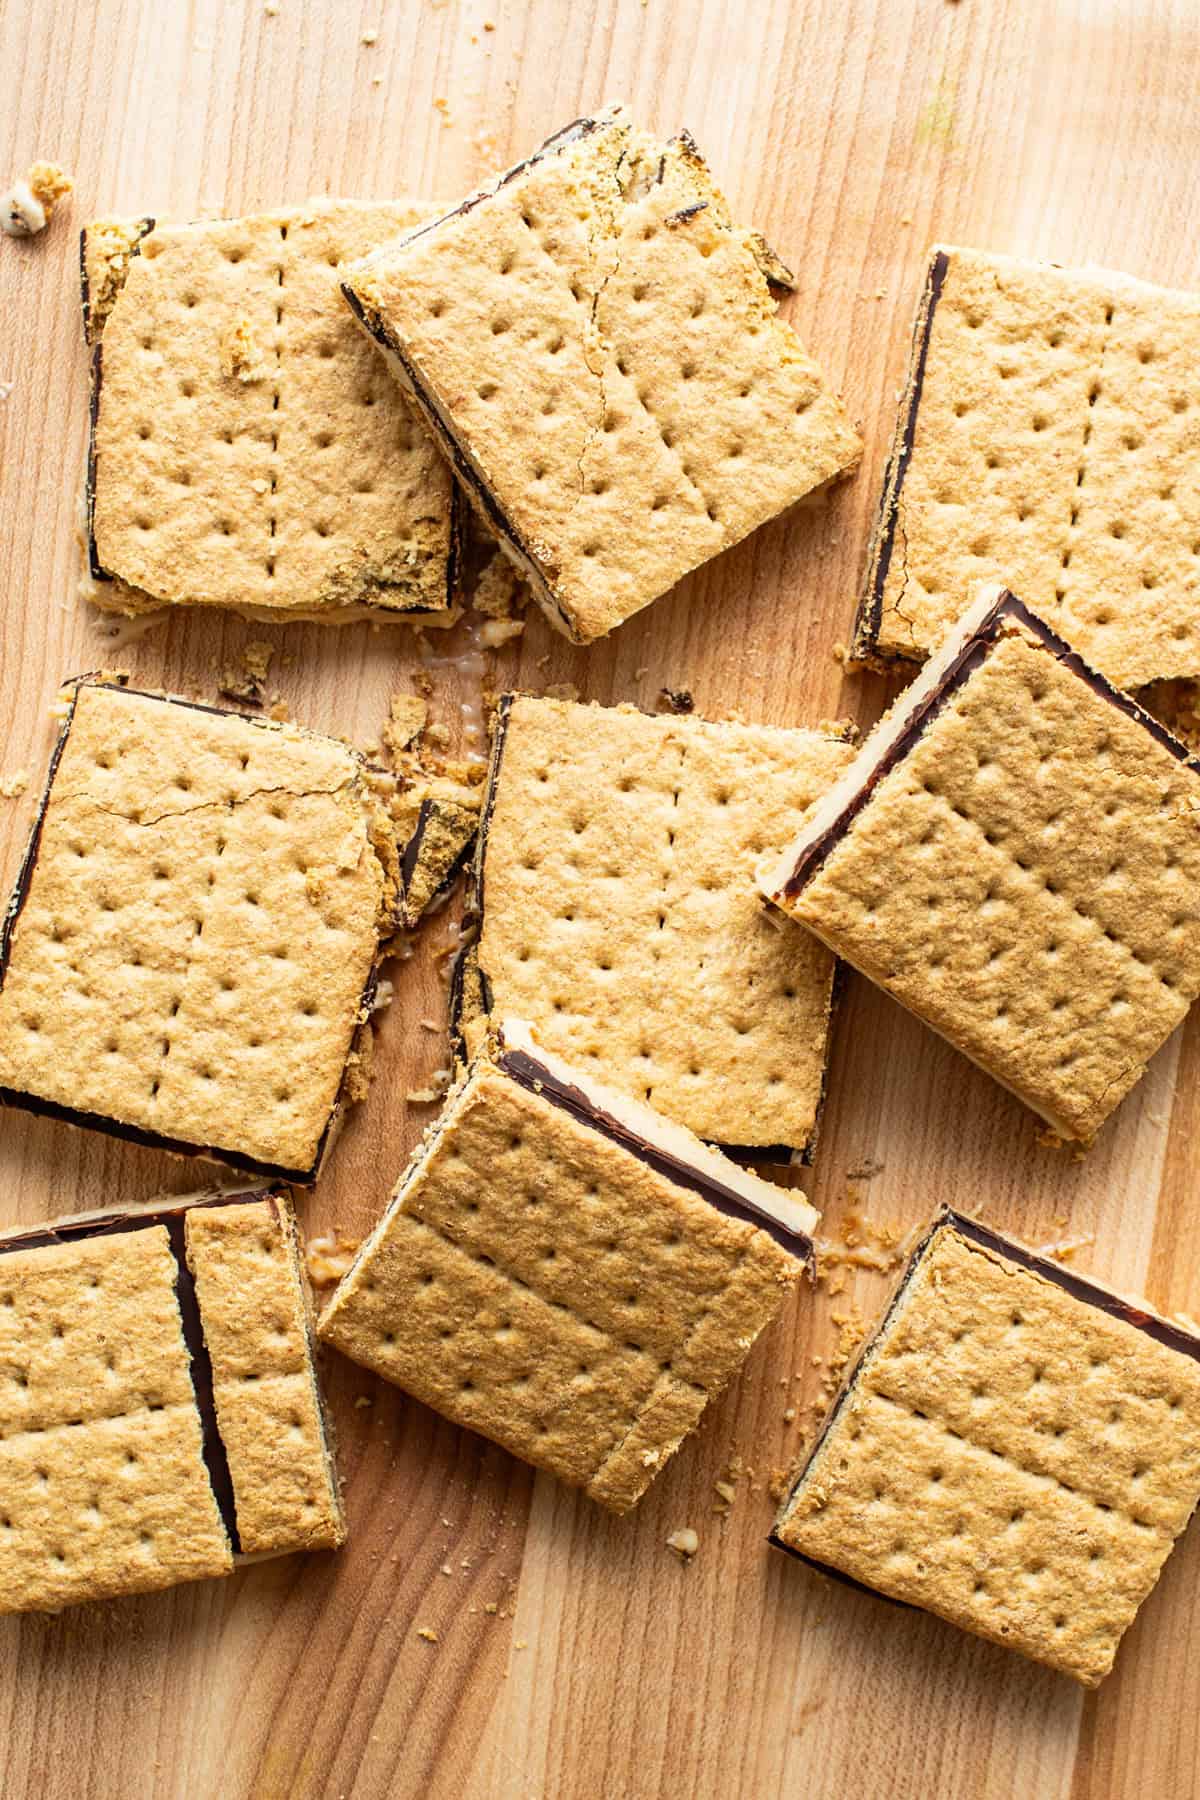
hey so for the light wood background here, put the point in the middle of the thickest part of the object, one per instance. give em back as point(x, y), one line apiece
point(852, 132)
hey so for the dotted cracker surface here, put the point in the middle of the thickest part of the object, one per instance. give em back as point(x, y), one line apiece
point(621, 919)
point(254, 1305)
point(600, 342)
point(1008, 1457)
point(103, 1487)
point(200, 924)
point(1027, 880)
point(536, 1282)
point(249, 450)
point(1057, 447)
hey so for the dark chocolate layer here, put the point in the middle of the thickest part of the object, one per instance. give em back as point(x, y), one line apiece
point(412, 856)
point(89, 1121)
point(870, 612)
point(534, 1076)
point(970, 657)
point(172, 1219)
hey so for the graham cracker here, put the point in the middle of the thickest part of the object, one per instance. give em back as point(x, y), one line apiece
point(1048, 436)
point(567, 1273)
point(246, 450)
point(619, 915)
point(118, 1473)
point(253, 1297)
point(594, 342)
point(1017, 1450)
point(188, 953)
point(1015, 855)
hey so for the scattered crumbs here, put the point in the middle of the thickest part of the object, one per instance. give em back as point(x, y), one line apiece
point(677, 700)
point(6, 388)
point(377, 81)
point(491, 1607)
point(866, 1170)
point(841, 655)
point(328, 1258)
point(446, 1569)
point(431, 1637)
point(363, 1400)
point(638, 673)
point(1063, 1249)
point(494, 632)
point(442, 106)
point(789, 1415)
point(272, 9)
point(520, 1643)
point(684, 1543)
point(247, 680)
point(279, 710)
point(407, 718)
point(906, 218)
point(488, 25)
point(12, 785)
point(779, 1484)
point(435, 1091)
point(369, 38)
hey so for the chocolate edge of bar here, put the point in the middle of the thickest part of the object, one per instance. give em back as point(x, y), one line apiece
point(971, 655)
point(412, 856)
point(173, 1220)
point(473, 911)
point(527, 1072)
point(117, 1128)
point(869, 618)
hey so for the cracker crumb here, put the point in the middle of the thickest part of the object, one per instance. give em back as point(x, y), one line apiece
point(29, 204)
point(328, 1259)
point(361, 1400)
point(520, 1643)
point(431, 1637)
point(6, 388)
point(685, 1543)
point(435, 1091)
point(779, 1484)
point(279, 710)
point(491, 1607)
point(1063, 1249)
point(407, 718)
point(494, 632)
point(241, 358)
point(14, 784)
point(789, 1415)
point(369, 38)
point(442, 106)
point(247, 681)
point(446, 1569)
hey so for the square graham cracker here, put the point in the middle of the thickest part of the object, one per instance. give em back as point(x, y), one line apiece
point(190, 950)
point(118, 1473)
point(1016, 1450)
point(567, 1273)
point(1048, 436)
point(1015, 856)
point(246, 450)
point(595, 344)
point(615, 883)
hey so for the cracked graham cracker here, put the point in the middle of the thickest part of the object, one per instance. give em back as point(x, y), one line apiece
point(117, 1473)
point(567, 1273)
point(619, 913)
point(1015, 856)
point(187, 957)
point(1016, 1450)
point(246, 449)
point(595, 344)
point(1048, 436)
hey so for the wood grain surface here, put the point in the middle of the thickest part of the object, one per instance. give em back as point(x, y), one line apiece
point(571, 1655)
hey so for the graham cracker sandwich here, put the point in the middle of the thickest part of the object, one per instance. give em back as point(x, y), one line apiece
point(1016, 1450)
point(189, 956)
point(162, 1417)
point(1014, 854)
point(594, 342)
point(617, 912)
point(246, 449)
point(1048, 435)
point(568, 1273)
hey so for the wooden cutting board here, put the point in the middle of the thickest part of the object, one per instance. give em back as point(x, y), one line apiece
point(569, 1655)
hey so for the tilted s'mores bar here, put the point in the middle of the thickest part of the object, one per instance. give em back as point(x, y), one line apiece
point(246, 450)
point(1049, 435)
point(1016, 1450)
point(160, 1414)
point(619, 915)
point(595, 344)
point(191, 947)
point(568, 1273)
point(1015, 855)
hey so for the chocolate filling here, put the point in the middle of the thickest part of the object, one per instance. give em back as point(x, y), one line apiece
point(412, 855)
point(216, 1460)
point(1091, 1293)
point(972, 654)
point(536, 1078)
point(90, 1121)
point(870, 612)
